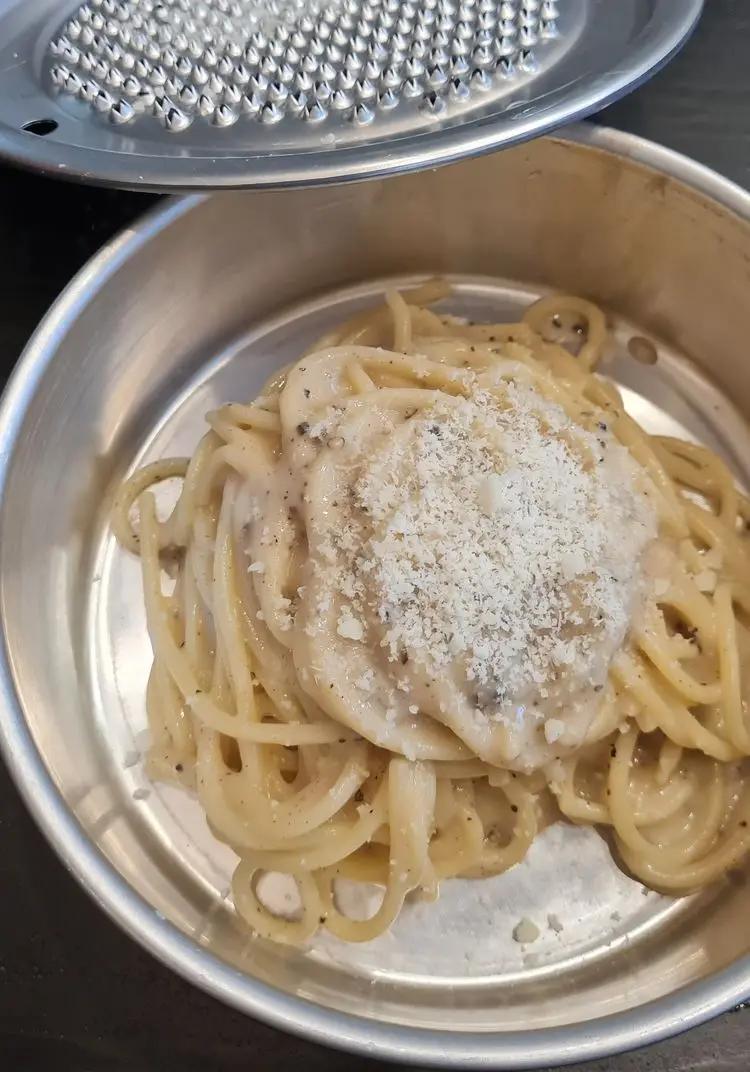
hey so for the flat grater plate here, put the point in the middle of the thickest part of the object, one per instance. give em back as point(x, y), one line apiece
point(177, 94)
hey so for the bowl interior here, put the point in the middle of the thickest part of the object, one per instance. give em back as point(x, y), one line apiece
point(210, 298)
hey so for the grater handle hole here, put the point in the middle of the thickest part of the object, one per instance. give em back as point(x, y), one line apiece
point(40, 127)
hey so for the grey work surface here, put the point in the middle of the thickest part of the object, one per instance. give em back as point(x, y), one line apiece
point(74, 992)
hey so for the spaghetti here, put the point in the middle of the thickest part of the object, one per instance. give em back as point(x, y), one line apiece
point(432, 590)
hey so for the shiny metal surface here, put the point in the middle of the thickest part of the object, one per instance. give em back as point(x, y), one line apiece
point(173, 63)
point(178, 94)
point(150, 336)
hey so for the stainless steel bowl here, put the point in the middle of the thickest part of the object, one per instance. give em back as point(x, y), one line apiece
point(197, 303)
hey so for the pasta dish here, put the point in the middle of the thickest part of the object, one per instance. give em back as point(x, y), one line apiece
point(433, 590)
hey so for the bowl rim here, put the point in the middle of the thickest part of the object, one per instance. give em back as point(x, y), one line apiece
point(669, 1015)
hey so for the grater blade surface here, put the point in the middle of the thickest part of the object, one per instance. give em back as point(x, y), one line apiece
point(302, 63)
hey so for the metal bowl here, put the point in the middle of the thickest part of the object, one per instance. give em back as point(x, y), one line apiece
point(198, 303)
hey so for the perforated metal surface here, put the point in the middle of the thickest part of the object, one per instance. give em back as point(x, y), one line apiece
point(221, 61)
point(184, 93)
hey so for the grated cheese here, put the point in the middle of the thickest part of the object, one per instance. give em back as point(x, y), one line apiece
point(365, 682)
point(554, 728)
point(525, 931)
point(475, 545)
point(492, 542)
point(349, 626)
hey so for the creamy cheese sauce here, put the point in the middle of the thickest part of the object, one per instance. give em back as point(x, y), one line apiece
point(470, 568)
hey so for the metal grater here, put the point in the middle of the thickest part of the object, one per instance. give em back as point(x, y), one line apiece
point(180, 93)
point(219, 62)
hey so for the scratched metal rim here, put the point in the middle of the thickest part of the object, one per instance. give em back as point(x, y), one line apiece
point(126, 161)
point(605, 1036)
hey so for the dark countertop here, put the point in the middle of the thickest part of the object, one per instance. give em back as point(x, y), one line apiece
point(75, 993)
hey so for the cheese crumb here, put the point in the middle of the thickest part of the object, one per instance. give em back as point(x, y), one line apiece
point(572, 562)
point(525, 932)
point(348, 626)
point(256, 567)
point(554, 728)
point(365, 682)
point(494, 492)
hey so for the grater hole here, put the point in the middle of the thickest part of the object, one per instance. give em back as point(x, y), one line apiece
point(40, 127)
